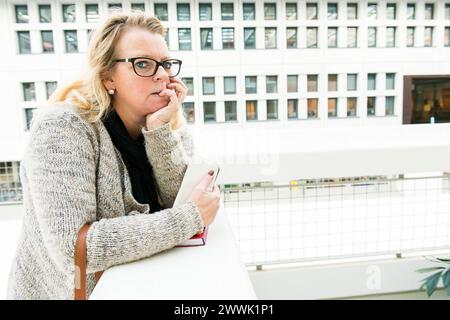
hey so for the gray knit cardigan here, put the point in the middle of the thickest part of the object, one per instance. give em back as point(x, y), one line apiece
point(72, 174)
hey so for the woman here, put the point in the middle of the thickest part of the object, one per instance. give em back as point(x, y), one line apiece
point(113, 151)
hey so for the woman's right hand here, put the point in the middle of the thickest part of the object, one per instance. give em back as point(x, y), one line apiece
point(208, 203)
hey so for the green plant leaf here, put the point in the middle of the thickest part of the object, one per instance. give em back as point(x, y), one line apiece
point(443, 260)
point(424, 270)
point(431, 282)
point(446, 280)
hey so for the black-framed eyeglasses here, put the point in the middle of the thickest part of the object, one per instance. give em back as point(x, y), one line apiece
point(147, 67)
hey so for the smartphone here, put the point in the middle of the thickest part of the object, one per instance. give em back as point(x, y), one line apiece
point(213, 182)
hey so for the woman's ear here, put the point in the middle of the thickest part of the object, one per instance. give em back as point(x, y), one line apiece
point(107, 81)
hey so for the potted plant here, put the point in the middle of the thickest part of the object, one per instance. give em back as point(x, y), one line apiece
point(440, 271)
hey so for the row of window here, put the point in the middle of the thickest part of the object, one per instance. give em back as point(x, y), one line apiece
point(229, 84)
point(205, 11)
point(293, 111)
point(271, 86)
point(270, 36)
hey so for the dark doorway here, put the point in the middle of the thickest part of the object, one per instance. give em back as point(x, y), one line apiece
point(426, 99)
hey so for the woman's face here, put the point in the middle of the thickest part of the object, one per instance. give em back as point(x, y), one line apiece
point(134, 93)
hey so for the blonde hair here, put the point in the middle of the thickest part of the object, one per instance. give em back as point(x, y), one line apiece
point(89, 94)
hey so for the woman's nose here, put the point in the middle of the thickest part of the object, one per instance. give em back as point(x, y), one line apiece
point(161, 74)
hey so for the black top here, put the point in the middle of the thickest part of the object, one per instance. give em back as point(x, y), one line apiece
point(135, 158)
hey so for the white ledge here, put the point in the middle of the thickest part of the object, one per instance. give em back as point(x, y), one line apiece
point(215, 271)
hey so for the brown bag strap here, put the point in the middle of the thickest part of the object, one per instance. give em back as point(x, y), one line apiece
point(81, 264)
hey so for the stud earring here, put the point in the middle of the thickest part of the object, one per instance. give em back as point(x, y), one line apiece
point(111, 91)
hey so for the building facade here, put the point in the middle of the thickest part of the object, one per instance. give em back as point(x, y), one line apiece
point(272, 64)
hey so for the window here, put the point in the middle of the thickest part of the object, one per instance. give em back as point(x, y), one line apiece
point(29, 91)
point(410, 32)
point(312, 105)
point(29, 113)
point(71, 41)
point(24, 41)
point(291, 38)
point(411, 11)
point(291, 11)
point(45, 13)
point(10, 186)
point(428, 39)
point(270, 38)
point(332, 107)
point(189, 111)
point(351, 107)
point(209, 111)
point(313, 82)
point(47, 41)
point(352, 11)
point(312, 37)
point(372, 11)
point(250, 84)
point(391, 11)
point(206, 38)
point(352, 37)
point(271, 84)
point(183, 12)
point(21, 13)
point(249, 38)
point(390, 106)
point(429, 11)
point(272, 109)
point(184, 39)
point(229, 85)
point(208, 85)
point(251, 107)
point(312, 11)
point(114, 8)
point(205, 11)
point(371, 102)
point(50, 87)
point(372, 37)
point(135, 7)
point(390, 81)
point(372, 81)
point(332, 82)
point(227, 11)
point(270, 11)
point(292, 108)
point(248, 10)
point(189, 82)
point(332, 37)
point(92, 13)
point(230, 111)
point(292, 83)
point(227, 38)
point(390, 37)
point(352, 79)
point(447, 37)
point(69, 14)
point(161, 11)
point(447, 11)
point(332, 11)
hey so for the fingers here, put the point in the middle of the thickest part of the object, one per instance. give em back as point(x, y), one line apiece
point(206, 180)
point(177, 80)
point(171, 94)
point(181, 91)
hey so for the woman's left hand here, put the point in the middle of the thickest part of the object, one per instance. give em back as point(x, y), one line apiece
point(176, 91)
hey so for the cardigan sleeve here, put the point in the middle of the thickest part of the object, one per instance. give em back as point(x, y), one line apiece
point(61, 176)
point(168, 152)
